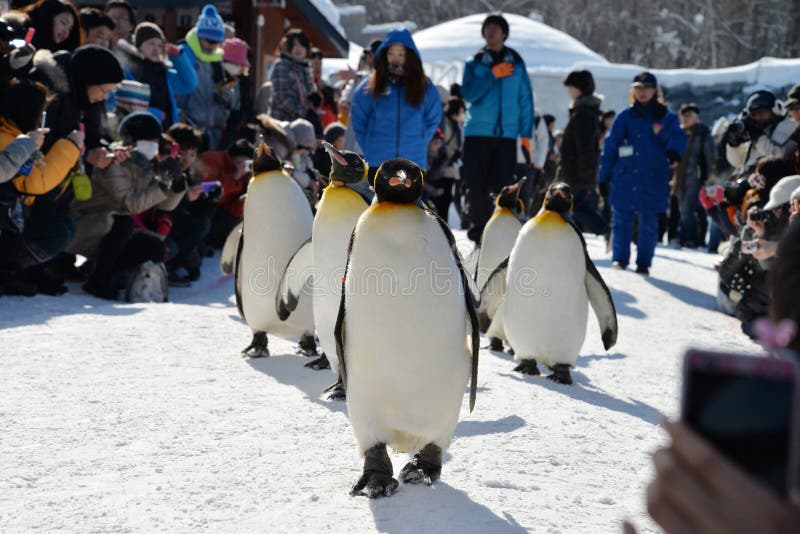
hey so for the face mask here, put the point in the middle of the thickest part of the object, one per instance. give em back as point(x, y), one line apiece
point(148, 149)
point(233, 70)
point(396, 69)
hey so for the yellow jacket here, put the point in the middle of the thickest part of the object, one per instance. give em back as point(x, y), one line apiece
point(44, 177)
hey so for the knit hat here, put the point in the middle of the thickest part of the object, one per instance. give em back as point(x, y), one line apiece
point(581, 80)
point(334, 131)
point(235, 51)
point(498, 20)
point(133, 95)
point(145, 31)
point(139, 126)
point(210, 26)
point(782, 192)
point(303, 133)
point(95, 65)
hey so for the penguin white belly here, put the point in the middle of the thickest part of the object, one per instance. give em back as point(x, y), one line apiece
point(546, 304)
point(405, 331)
point(498, 239)
point(337, 214)
point(277, 220)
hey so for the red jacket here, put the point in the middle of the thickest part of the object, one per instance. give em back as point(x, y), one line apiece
point(217, 165)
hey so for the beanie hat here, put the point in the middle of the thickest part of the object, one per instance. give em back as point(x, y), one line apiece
point(242, 147)
point(133, 96)
point(303, 133)
point(498, 20)
point(761, 100)
point(95, 65)
point(139, 126)
point(145, 31)
point(235, 51)
point(581, 80)
point(210, 26)
point(334, 131)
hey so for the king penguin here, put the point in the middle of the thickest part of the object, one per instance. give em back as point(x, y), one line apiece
point(406, 334)
point(549, 281)
point(496, 243)
point(277, 221)
point(337, 213)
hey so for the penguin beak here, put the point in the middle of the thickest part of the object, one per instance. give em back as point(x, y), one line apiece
point(514, 188)
point(334, 154)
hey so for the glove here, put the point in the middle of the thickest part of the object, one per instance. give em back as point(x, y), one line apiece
point(179, 184)
point(172, 50)
point(503, 70)
point(706, 201)
point(604, 189)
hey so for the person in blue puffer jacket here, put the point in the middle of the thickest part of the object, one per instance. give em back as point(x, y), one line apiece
point(498, 92)
point(642, 148)
point(396, 110)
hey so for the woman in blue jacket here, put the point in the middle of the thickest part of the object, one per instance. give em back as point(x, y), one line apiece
point(396, 110)
point(643, 146)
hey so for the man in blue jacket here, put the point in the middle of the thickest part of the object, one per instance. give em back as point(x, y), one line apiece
point(645, 144)
point(498, 90)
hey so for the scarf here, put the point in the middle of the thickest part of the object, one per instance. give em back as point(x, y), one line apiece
point(194, 43)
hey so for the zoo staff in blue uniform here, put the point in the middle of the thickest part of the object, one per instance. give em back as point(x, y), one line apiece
point(642, 148)
point(498, 90)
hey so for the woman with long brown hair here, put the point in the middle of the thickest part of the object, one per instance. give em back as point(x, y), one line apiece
point(396, 110)
point(57, 25)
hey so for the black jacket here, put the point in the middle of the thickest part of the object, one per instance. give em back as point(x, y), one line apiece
point(580, 152)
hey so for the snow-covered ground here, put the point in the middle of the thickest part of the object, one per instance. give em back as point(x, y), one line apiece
point(145, 418)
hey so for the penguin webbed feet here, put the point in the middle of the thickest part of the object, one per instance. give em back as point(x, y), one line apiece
point(336, 391)
point(528, 367)
point(319, 364)
point(307, 346)
point(425, 466)
point(561, 374)
point(257, 347)
point(376, 480)
point(496, 344)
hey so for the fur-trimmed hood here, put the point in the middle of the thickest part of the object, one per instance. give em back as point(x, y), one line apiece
point(51, 70)
point(127, 52)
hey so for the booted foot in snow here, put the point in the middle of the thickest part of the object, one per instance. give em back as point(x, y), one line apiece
point(561, 374)
point(257, 347)
point(376, 481)
point(527, 367)
point(496, 344)
point(320, 363)
point(307, 345)
point(426, 466)
point(336, 391)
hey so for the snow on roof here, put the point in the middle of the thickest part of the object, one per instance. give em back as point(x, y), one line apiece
point(386, 27)
point(537, 43)
point(350, 9)
point(330, 12)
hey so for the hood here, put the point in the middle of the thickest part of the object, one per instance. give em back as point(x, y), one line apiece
point(50, 71)
point(402, 37)
point(593, 101)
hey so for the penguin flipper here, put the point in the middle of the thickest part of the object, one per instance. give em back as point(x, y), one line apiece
point(338, 329)
point(227, 258)
point(295, 277)
point(469, 299)
point(491, 295)
point(599, 295)
point(602, 304)
point(237, 282)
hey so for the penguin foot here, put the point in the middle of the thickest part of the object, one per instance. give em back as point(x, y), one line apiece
point(376, 481)
point(496, 344)
point(336, 391)
point(319, 364)
point(527, 367)
point(561, 374)
point(426, 466)
point(307, 345)
point(257, 347)
point(511, 351)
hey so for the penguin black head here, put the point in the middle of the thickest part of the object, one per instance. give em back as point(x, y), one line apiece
point(509, 197)
point(398, 180)
point(558, 197)
point(346, 166)
point(266, 160)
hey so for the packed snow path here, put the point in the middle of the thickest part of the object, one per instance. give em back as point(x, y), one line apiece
point(145, 418)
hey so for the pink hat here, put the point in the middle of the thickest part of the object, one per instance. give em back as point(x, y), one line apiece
point(235, 51)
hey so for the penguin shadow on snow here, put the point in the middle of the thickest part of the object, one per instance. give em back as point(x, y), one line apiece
point(288, 369)
point(583, 390)
point(688, 295)
point(623, 302)
point(437, 508)
point(504, 425)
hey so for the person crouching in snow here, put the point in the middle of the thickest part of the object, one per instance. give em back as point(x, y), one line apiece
point(106, 231)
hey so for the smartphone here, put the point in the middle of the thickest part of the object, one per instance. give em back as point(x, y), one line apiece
point(748, 247)
point(747, 407)
point(210, 186)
